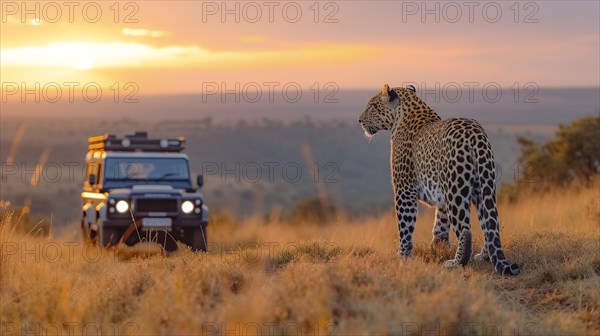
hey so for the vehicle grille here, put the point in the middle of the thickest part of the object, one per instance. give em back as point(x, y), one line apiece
point(156, 205)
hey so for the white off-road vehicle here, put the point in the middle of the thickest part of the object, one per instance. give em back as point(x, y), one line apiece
point(139, 189)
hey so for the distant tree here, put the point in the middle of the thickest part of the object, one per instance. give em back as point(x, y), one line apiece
point(573, 156)
point(577, 149)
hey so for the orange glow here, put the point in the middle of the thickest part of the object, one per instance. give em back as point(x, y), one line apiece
point(252, 38)
point(367, 44)
point(86, 55)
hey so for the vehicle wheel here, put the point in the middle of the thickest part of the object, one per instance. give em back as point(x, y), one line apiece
point(87, 233)
point(196, 238)
point(166, 240)
point(108, 236)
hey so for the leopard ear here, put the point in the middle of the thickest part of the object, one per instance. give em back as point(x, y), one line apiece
point(411, 88)
point(385, 91)
point(388, 95)
point(393, 97)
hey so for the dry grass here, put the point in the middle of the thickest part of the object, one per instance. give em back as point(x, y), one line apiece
point(269, 277)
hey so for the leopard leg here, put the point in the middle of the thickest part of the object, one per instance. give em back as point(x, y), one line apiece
point(406, 214)
point(441, 227)
point(458, 212)
point(484, 255)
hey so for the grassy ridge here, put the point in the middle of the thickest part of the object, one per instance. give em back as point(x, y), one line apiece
point(275, 278)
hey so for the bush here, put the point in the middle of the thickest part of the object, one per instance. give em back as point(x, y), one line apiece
point(572, 157)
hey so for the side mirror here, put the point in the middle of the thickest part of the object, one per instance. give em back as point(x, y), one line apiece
point(200, 180)
point(92, 179)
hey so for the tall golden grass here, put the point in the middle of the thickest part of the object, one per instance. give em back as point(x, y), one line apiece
point(272, 277)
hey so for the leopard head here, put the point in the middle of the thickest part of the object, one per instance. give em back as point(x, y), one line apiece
point(383, 109)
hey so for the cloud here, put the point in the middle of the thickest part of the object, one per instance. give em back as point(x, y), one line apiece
point(143, 32)
point(139, 55)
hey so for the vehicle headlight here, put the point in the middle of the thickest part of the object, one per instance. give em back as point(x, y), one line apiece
point(187, 207)
point(122, 206)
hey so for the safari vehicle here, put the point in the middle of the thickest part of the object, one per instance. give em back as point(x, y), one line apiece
point(139, 189)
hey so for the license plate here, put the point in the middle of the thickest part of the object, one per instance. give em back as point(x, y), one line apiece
point(156, 222)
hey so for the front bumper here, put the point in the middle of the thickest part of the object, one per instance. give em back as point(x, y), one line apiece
point(175, 223)
point(114, 230)
point(131, 233)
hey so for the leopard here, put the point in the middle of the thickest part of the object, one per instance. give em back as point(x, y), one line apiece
point(445, 164)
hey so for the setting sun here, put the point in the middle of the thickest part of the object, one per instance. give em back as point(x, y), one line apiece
point(85, 64)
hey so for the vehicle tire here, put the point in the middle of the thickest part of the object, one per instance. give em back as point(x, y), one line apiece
point(108, 236)
point(88, 235)
point(85, 232)
point(196, 238)
point(166, 240)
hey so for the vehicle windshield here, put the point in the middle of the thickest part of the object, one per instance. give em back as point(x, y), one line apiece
point(146, 169)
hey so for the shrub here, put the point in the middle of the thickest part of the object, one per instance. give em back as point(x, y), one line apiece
point(572, 157)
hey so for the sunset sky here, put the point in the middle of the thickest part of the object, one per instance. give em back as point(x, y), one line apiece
point(169, 47)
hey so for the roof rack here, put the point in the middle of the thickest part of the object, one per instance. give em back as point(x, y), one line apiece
point(137, 142)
